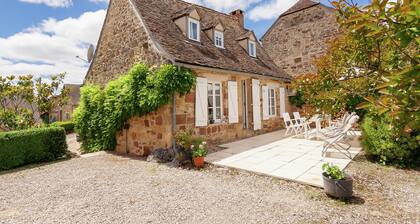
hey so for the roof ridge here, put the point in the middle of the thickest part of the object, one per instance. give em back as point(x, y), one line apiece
point(212, 10)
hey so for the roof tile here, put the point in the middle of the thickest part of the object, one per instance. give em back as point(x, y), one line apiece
point(158, 16)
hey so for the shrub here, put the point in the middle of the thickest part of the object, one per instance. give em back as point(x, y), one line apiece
point(297, 100)
point(103, 112)
point(384, 143)
point(67, 125)
point(184, 138)
point(19, 148)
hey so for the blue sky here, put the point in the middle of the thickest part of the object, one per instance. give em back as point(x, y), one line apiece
point(16, 15)
point(43, 37)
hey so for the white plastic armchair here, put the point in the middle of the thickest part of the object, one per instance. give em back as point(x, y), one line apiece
point(290, 125)
point(299, 119)
point(340, 123)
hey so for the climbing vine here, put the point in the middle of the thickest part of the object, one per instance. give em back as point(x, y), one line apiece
point(103, 111)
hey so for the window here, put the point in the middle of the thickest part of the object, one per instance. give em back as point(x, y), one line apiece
point(67, 116)
point(194, 29)
point(218, 39)
point(214, 93)
point(271, 102)
point(252, 49)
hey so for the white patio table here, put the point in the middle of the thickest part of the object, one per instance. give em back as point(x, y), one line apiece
point(317, 118)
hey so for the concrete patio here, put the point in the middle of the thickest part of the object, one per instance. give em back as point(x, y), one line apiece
point(272, 154)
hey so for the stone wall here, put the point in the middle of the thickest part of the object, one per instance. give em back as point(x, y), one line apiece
point(295, 40)
point(122, 43)
point(155, 130)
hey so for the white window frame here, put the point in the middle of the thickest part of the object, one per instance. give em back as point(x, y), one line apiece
point(190, 34)
point(271, 102)
point(219, 34)
point(252, 48)
point(214, 108)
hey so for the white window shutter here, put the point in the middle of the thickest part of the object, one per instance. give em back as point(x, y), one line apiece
point(282, 101)
point(233, 102)
point(256, 104)
point(201, 102)
point(265, 102)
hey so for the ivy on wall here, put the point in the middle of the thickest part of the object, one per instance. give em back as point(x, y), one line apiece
point(102, 112)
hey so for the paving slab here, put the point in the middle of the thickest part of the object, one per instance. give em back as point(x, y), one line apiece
point(275, 155)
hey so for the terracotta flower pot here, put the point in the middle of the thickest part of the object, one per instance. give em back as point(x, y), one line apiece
point(338, 188)
point(198, 161)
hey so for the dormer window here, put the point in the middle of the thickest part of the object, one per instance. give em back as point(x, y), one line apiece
point(219, 39)
point(193, 29)
point(252, 49)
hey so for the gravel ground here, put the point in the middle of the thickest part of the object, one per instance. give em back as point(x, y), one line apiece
point(113, 189)
point(73, 145)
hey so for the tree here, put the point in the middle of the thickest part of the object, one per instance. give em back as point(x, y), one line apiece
point(375, 60)
point(49, 96)
point(374, 65)
point(387, 38)
point(16, 93)
point(21, 97)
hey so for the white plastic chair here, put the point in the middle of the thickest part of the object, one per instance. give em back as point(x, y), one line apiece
point(290, 125)
point(298, 119)
point(340, 123)
point(332, 139)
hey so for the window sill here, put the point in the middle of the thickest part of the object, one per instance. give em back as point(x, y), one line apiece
point(216, 123)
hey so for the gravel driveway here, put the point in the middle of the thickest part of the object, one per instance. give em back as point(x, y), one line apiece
point(113, 189)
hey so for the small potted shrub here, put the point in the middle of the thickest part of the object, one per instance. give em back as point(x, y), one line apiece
point(199, 151)
point(183, 140)
point(336, 182)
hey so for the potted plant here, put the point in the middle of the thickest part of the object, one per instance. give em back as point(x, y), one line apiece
point(199, 151)
point(336, 182)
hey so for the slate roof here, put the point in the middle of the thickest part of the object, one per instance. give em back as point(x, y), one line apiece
point(158, 17)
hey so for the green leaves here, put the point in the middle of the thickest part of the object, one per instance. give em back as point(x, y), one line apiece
point(103, 112)
point(22, 96)
point(333, 171)
point(383, 142)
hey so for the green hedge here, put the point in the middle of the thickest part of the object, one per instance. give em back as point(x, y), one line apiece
point(67, 125)
point(384, 143)
point(18, 148)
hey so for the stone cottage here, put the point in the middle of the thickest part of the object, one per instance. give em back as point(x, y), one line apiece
point(300, 35)
point(65, 112)
point(240, 92)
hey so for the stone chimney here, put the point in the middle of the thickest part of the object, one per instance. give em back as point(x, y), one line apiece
point(239, 15)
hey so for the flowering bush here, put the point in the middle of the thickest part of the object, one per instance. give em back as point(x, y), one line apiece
point(199, 148)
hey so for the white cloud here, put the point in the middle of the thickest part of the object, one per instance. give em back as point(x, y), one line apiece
point(270, 10)
point(59, 3)
point(99, 1)
point(51, 3)
point(256, 9)
point(51, 47)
